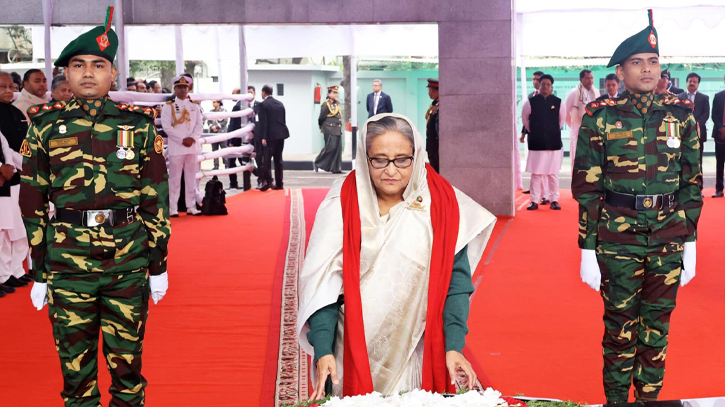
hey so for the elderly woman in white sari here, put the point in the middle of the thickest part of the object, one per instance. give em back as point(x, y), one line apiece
point(385, 286)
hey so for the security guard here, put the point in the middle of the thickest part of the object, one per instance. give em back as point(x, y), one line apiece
point(102, 165)
point(431, 127)
point(637, 177)
point(182, 122)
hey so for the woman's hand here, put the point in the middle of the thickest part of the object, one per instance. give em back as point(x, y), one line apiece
point(326, 366)
point(458, 367)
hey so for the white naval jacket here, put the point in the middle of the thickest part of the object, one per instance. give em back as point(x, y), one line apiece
point(191, 128)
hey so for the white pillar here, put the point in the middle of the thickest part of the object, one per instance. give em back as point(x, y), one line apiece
point(122, 58)
point(47, 21)
point(179, 50)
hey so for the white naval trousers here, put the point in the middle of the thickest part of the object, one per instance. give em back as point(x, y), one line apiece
point(189, 165)
point(12, 254)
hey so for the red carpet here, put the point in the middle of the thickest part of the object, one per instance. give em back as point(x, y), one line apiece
point(206, 340)
point(535, 328)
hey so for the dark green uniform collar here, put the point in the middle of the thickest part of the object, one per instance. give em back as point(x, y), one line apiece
point(77, 108)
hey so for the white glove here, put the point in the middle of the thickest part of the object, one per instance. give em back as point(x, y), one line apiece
point(159, 284)
point(589, 269)
point(689, 260)
point(39, 295)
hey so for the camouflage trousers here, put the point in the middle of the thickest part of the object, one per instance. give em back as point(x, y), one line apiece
point(82, 304)
point(639, 287)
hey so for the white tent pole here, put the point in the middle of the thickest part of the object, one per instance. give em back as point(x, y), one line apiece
point(242, 61)
point(47, 21)
point(121, 61)
point(218, 60)
point(523, 78)
point(179, 50)
point(242, 68)
point(353, 102)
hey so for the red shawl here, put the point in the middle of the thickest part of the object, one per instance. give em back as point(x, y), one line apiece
point(445, 216)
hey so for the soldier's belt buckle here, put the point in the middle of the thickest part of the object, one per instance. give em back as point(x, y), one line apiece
point(95, 218)
point(647, 203)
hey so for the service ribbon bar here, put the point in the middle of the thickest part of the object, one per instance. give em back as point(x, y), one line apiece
point(125, 138)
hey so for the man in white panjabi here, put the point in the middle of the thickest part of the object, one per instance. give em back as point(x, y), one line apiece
point(395, 264)
point(13, 240)
point(584, 92)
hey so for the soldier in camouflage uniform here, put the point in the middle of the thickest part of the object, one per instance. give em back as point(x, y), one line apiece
point(102, 165)
point(637, 179)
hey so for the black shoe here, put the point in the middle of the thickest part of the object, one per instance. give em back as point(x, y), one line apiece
point(6, 289)
point(315, 167)
point(233, 187)
point(265, 187)
point(2, 294)
point(14, 282)
point(544, 201)
point(27, 278)
point(174, 216)
point(526, 192)
point(555, 206)
point(338, 172)
point(718, 194)
point(532, 206)
point(277, 187)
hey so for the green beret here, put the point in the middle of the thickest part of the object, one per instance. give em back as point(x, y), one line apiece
point(101, 41)
point(645, 41)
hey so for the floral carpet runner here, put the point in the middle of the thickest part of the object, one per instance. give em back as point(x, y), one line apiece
point(292, 362)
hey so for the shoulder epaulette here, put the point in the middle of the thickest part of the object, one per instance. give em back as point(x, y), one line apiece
point(590, 108)
point(675, 101)
point(37, 111)
point(195, 102)
point(170, 101)
point(146, 111)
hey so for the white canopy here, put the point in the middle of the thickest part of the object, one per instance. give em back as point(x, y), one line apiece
point(562, 28)
point(575, 28)
point(266, 41)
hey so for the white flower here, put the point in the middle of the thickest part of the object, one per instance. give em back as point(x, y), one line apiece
point(420, 398)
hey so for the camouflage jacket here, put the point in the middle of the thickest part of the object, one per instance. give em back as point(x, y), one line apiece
point(71, 160)
point(622, 150)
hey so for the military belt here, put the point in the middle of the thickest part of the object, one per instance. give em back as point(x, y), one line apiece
point(96, 217)
point(641, 202)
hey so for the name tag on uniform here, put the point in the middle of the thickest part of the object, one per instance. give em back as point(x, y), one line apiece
point(63, 142)
point(616, 135)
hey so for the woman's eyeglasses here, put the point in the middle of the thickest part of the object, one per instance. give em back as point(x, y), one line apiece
point(401, 162)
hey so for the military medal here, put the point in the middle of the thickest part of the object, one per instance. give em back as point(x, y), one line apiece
point(672, 128)
point(125, 142)
point(62, 129)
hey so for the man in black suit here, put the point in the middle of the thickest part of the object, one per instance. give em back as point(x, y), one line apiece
point(273, 131)
point(378, 101)
point(611, 82)
point(670, 86)
point(718, 134)
point(700, 107)
point(235, 123)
